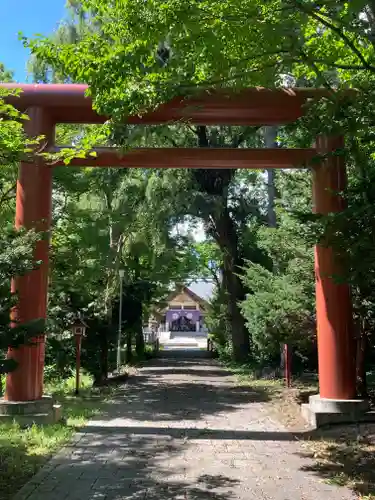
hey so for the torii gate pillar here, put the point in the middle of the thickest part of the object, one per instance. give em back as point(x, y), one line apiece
point(333, 299)
point(33, 211)
point(336, 401)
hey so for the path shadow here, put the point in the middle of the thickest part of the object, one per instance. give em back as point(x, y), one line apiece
point(117, 460)
point(343, 465)
point(146, 397)
point(189, 372)
point(192, 433)
point(149, 399)
point(121, 467)
point(123, 463)
point(179, 362)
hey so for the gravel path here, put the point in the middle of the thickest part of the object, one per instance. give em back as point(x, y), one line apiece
point(182, 430)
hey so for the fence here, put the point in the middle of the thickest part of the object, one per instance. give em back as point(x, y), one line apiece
point(164, 329)
point(151, 338)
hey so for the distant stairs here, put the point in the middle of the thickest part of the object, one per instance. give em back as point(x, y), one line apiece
point(184, 343)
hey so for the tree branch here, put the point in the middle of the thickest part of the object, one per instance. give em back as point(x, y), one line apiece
point(172, 141)
point(243, 136)
point(350, 67)
point(339, 32)
point(8, 195)
point(235, 76)
point(308, 61)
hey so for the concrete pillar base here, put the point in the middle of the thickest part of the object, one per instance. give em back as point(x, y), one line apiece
point(42, 411)
point(321, 411)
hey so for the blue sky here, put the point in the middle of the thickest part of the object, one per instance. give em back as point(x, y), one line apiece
point(31, 17)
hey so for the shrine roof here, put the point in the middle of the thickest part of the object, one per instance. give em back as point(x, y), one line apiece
point(202, 288)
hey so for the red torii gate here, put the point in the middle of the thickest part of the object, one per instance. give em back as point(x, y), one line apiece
point(49, 104)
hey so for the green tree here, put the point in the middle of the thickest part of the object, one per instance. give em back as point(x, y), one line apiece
point(5, 75)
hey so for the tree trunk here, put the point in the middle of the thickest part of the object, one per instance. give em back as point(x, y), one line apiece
point(103, 357)
point(271, 191)
point(129, 352)
point(139, 344)
point(232, 263)
point(270, 135)
point(240, 335)
point(139, 339)
point(216, 185)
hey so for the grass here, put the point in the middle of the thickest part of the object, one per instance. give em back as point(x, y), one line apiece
point(24, 450)
point(345, 456)
point(246, 374)
point(341, 455)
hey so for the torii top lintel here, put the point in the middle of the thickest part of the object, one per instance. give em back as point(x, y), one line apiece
point(68, 103)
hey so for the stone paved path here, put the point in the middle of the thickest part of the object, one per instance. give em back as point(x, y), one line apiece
point(182, 430)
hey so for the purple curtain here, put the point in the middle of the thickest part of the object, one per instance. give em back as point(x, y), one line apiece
point(173, 314)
